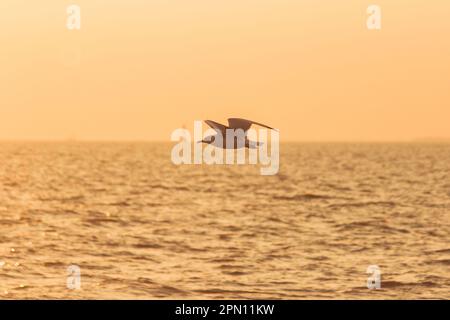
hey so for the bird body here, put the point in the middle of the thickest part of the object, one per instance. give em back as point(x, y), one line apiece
point(233, 136)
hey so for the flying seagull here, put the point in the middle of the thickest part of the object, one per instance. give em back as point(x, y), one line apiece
point(233, 124)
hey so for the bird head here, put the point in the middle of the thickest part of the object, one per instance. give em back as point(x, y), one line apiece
point(208, 140)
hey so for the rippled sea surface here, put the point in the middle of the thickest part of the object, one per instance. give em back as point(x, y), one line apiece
point(140, 227)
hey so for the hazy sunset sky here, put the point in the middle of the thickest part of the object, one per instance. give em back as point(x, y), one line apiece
point(137, 70)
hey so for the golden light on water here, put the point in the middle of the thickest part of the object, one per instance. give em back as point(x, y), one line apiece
point(92, 205)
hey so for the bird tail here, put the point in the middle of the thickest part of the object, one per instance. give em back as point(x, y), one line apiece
point(254, 144)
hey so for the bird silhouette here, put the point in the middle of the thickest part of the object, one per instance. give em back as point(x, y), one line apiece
point(220, 138)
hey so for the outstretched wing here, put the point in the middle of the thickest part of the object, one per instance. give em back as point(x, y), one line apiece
point(220, 128)
point(237, 123)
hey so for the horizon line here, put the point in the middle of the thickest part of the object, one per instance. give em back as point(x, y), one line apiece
point(88, 140)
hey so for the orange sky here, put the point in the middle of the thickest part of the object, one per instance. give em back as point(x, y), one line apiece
point(139, 69)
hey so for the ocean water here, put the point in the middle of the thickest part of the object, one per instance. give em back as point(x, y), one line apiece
point(140, 227)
